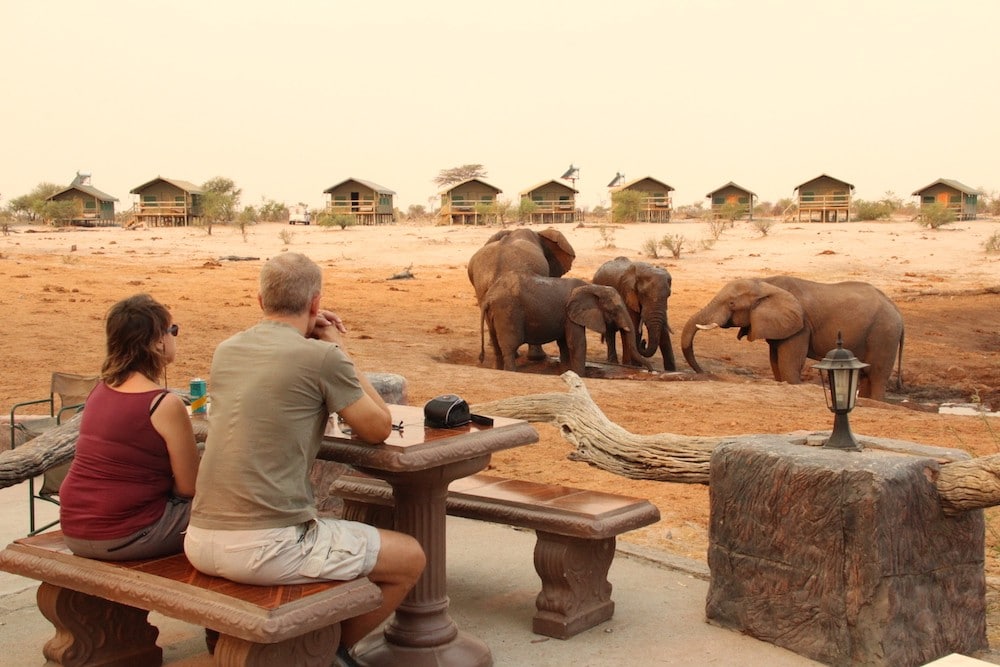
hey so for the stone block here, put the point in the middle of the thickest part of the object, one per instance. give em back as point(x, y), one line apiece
point(843, 557)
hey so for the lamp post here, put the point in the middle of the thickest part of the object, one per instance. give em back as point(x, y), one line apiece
point(839, 372)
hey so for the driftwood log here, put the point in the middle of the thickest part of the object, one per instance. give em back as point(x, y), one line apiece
point(666, 457)
point(601, 442)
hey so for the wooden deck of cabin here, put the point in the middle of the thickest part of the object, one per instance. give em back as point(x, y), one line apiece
point(655, 209)
point(829, 207)
point(162, 215)
point(553, 210)
point(365, 211)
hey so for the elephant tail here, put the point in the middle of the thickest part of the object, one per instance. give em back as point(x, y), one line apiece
point(482, 340)
point(899, 362)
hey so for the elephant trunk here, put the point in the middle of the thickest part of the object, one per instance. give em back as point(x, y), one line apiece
point(700, 320)
point(654, 328)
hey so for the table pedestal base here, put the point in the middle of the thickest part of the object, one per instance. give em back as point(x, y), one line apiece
point(464, 649)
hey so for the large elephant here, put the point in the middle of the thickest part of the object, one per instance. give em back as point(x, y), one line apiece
point(521, 308)
point(524, 251)
point(645, 289)
point(801, 318)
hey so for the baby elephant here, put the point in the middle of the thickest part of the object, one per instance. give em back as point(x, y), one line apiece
point(531, 309)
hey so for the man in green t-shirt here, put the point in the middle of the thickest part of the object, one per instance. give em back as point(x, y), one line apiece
point(273, 388)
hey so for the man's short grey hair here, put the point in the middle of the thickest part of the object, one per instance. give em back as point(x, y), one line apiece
point(288, 283)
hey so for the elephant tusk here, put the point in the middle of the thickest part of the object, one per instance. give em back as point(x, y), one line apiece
point(706, 327)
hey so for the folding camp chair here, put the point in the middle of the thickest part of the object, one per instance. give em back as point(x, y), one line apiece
point(67, 395)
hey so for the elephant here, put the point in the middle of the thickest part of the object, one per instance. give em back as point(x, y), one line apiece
point(800, 318)
point(645, 289)
point(544, 253)
point(522, 308)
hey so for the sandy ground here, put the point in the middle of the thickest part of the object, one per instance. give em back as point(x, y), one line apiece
point(58, 284)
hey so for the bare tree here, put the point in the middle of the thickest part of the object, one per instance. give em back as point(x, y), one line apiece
point(458, 174)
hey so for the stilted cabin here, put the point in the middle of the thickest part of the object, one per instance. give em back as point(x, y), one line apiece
point(94, 208)
point(825, 199)
point(368, 203)
point(955, 196)
point(553, 202)
point(726, 199)
point(166, 202)
point(463, 202)
point(657, 204)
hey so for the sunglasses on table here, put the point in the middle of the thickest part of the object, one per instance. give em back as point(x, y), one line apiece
point(173, 329)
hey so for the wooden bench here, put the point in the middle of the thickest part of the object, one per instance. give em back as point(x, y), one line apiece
point(100, 609)
point(575, 536)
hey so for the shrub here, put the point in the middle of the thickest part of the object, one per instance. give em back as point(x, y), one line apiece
point(935, 215)
point(649, 247)
point(626, 204)
point(286, 236)
point(607, 236)
point(992, 244)
point(872, 210)
point(331, 219)
point(707, 244)
point(715, 227)
point(673, 243)
point(762, 225)
point(525, 208)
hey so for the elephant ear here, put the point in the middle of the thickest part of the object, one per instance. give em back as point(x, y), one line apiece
point(776, 315)
point(558, 251)
point(584, 308)
point(631, 288)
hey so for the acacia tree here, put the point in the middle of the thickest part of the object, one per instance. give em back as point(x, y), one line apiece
point(220, 202)
point(626, 204)
point(61, 212)
point(446, 177)
point(32, 205)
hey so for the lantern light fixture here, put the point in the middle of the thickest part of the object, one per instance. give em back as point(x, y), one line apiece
point(839, 373)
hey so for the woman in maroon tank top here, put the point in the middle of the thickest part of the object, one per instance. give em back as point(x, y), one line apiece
point(127, 495)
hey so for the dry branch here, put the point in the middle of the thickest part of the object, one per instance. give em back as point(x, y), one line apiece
point(52, 448)
point(970, 484)
point(597, 440)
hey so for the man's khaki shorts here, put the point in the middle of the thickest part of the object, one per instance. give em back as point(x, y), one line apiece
point(321, 549)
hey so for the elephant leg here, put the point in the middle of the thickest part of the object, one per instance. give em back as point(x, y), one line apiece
point(667, 350)
point(564, 353)
point(773, 357)
point(872, 382)
point(501, 360)
point(628, 358)
point(610, 337)
point(788, 356)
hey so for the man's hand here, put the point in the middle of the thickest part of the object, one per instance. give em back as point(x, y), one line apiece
point(328, 327)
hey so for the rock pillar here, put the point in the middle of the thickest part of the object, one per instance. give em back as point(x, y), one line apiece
point(843, 557)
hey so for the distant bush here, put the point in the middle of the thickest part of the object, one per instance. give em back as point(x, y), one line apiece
point(935, 215)
point(525, 208)
point(992, 244)
point(715, 227)
point(607, 236)
point(872, 210)
point(695, 211)
point(286, 236)
point(330, 219)
point(762, 225)
point(626, 204)
point(674, 243)
point(649, 247)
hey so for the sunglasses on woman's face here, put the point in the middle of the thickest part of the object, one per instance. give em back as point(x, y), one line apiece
point(173, 329)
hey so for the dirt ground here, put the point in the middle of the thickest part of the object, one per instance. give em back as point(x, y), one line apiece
point(58, 284)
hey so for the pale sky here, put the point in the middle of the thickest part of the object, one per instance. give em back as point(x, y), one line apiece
point(289, 98)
